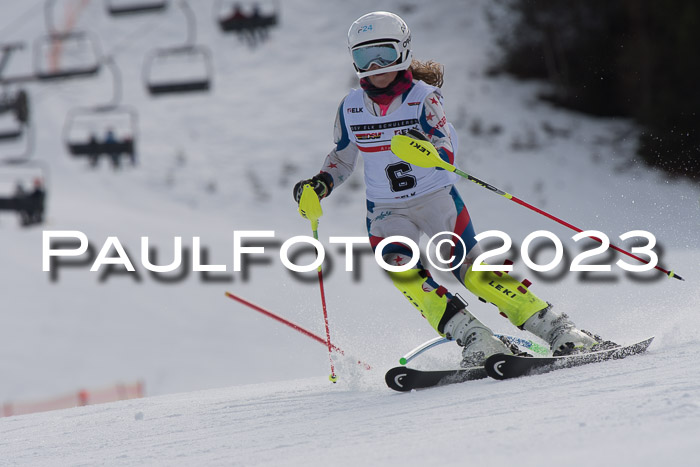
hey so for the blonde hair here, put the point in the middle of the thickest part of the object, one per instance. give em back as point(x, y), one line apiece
point(430, 72)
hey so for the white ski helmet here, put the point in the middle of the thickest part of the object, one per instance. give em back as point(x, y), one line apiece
point(379, 37)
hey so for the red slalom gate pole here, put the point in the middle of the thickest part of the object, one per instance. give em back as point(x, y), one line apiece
point(332, 377)
point(292, 325)
point(310, 208)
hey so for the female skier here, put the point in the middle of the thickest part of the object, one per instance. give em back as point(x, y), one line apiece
point(400, 95)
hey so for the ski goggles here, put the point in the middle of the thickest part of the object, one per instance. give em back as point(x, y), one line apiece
point(383, 54)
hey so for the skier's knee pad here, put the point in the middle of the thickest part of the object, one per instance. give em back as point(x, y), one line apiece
point(512, 298)
point(431, 302)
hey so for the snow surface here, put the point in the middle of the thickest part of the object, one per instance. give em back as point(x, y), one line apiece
point(211, 164)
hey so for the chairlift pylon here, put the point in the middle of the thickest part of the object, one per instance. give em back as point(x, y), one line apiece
point(119, 8)
point(181, 69)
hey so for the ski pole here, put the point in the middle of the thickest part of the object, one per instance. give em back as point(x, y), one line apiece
point(310, 208)
point(292, 325)
point(423, 154)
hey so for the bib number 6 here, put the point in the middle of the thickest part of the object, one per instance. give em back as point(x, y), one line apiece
point(398, 175)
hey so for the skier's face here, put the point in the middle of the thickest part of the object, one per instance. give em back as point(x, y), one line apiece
point(381, 80)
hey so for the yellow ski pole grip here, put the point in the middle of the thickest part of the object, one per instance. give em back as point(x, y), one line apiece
point(310, 205)
point(420, 153)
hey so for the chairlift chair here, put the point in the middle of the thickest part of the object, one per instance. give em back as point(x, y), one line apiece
point(7, 50)
point(17, 147)
point(106, 130)
point(23, 187)
point(16, 103)
point(13, 116)
point(16, 136)
point(245, 20)
point(11, 134)
point(66, 55)
point(178, 70)
point(130, 7)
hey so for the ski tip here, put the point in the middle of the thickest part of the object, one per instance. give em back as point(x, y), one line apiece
point(494, 366)
point(398, 379)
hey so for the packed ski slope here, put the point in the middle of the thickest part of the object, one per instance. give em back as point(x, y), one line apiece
point(211, 164)
point(640, 411)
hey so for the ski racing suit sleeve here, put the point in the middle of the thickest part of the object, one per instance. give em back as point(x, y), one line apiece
point(433, 123)
point(341, 161)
